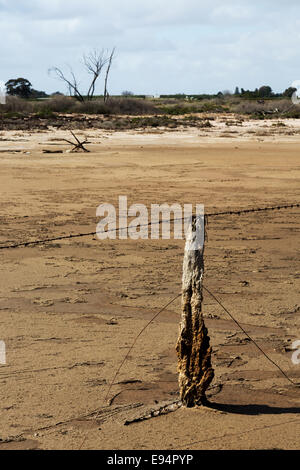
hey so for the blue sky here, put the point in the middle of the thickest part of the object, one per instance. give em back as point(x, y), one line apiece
point(165, 46)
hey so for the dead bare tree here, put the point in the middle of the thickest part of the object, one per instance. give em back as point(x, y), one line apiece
point(71, 82)
point(106, 94)
point(93, 63)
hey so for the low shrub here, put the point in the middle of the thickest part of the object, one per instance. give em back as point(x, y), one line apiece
point(59, 104)
point(14, 104)
point(131, 106)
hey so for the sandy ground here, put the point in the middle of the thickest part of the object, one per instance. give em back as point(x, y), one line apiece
point(70, 310)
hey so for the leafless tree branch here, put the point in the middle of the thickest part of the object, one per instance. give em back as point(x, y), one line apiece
point(106, 94)
point(71, 83)
point(93, 63)
point(77, 145)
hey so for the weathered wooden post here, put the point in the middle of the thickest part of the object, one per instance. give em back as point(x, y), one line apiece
point(193, 349)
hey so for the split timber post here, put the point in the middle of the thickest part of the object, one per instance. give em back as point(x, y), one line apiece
point(193, 349)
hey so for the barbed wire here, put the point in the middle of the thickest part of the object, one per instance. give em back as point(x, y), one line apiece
point(206, 216)
point(249, 337)
point(228, 313)
point(118, 229)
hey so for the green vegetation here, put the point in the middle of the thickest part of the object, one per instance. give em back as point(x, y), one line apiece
point(132, 111)
point(22, 87)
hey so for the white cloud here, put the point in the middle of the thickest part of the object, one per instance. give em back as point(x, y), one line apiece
point(174, 45)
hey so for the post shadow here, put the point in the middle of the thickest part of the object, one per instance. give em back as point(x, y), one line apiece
point(253, 409)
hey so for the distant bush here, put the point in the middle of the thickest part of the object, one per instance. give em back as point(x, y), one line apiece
point(293, 113)
point(91, 107)
point(289, 91)
point(58, 104)
point(177, 96)
point(131, 106)
point(262, 107)
point(66, 104)
point(214, 106)
point(153, 121)
point(248, 107)
point(162, 108)
point(204, 106)
point(45, 113)
point(178, 110)
point(14, 104)
point(127, 93)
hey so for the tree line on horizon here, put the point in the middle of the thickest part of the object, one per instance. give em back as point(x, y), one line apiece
point(22, 88)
